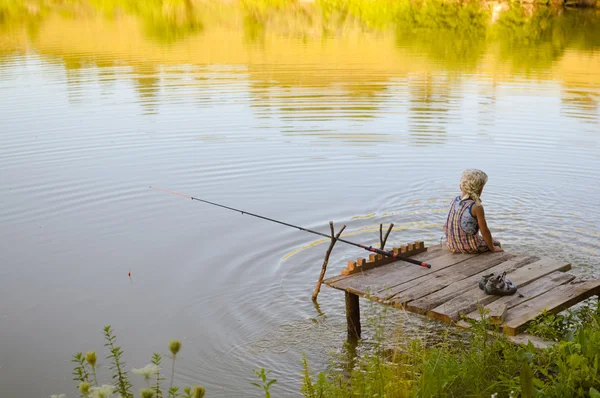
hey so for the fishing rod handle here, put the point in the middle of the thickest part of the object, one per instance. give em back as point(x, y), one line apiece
point(399, 257)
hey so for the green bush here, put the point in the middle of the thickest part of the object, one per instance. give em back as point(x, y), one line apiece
point(482, 366)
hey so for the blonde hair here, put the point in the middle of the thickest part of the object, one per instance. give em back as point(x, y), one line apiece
point(472, 182)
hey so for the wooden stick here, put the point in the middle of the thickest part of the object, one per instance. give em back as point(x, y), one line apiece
point(334, 239)
point(383, 240)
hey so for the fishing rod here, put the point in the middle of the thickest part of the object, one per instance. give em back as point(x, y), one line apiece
point(368, 248)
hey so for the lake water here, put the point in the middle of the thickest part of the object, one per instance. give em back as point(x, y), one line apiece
point(359, 125)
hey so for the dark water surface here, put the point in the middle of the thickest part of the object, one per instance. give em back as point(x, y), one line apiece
point(358, 127)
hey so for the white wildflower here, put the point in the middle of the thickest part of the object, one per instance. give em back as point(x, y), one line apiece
point(105, 391)
point(494, 395)
point(147, 371)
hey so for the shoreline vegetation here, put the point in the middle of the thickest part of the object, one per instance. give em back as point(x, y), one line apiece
point(86, 369)
point(483, 365)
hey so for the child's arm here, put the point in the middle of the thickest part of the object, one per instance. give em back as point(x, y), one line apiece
point(477, 211)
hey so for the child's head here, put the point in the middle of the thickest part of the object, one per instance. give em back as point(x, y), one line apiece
point(472, 183)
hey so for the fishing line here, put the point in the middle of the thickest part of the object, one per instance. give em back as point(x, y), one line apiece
point(368, 248)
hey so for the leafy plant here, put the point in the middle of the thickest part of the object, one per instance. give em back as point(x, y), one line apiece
point(562, 326)
point(266, 383)
point(119, 373)
point(119, 376)
point(156, 360)
point(80, 372)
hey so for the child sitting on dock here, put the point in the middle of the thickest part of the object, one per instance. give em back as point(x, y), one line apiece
point(466, 218)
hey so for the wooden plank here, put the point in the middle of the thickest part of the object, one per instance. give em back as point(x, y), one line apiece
point(499, 314)
point(332, 280)
point(377, 260)
point(379, 271)
point(537, 342)
point(431, 283)
point(426, 303)
point(554, 301)
point(460, 267)
point(432, 252)
point(523, 294)
point(468, 301)
point(378, 278)
point(523, 338)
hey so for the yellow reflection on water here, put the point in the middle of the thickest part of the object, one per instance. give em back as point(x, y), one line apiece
point(302, 60)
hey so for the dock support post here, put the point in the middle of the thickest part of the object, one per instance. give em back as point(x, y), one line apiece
point(352, 316)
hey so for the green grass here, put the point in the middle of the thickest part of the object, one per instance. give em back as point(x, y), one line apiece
point(479, 366)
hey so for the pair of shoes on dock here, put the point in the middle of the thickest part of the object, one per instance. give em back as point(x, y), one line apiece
point(497, 285)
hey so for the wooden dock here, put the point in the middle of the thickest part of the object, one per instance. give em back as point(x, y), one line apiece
point(449, 292)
